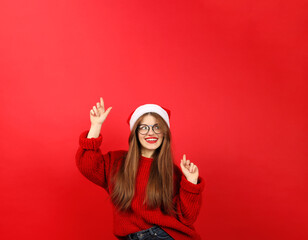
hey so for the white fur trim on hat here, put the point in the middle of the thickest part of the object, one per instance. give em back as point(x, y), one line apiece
point(146, 109)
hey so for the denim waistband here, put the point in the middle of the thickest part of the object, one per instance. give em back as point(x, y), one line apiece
point(149, 231)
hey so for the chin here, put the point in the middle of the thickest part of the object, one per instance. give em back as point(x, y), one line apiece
point(151, 146)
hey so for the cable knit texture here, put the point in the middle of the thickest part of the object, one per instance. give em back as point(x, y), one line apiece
point(187, 196)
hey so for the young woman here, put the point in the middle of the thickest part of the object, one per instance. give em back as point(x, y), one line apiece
point(152, 197)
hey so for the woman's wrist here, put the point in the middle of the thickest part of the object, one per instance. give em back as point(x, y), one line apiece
point(194, 181)
point(94, 131)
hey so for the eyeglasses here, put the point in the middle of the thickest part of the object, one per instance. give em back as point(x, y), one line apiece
point(144, 129)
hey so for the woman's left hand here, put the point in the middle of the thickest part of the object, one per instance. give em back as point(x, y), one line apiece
point(189, 170)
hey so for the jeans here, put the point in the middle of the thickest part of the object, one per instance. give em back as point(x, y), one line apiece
point(152, 233)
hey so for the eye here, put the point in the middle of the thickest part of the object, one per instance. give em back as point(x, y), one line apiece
point(156, 127)
point(143, 127)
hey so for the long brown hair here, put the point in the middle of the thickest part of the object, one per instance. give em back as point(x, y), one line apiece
point(159, 190)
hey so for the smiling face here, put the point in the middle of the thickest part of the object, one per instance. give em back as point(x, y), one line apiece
point(150, 141)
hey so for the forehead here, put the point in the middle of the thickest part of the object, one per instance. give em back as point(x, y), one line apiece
point(149, 120)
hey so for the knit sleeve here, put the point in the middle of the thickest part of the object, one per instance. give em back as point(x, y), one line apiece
point(92, 163)
point(188, 198)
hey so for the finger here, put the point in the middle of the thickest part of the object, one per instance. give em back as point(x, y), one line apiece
point(102, 103)
point(184, 160)
point(182, 163)
point(97, 104)
point(92, 112)
point(184, 169)
point(95, 110)
point(191, 167)
point(108, 111)
point(188, 163)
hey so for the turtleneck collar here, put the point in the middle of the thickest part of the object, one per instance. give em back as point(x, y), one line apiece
point(146, 158)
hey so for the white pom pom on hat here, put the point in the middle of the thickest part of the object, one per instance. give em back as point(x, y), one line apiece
point(163, 112)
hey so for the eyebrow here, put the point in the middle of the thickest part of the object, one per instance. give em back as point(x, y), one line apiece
point(147, 124)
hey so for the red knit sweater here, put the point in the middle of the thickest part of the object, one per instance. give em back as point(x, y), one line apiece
point(187, 198)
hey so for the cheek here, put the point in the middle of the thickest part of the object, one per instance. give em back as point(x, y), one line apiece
point(139, 138)
point(142, 140)
point(161, 140)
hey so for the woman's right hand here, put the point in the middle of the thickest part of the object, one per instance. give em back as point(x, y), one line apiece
point(98, 113)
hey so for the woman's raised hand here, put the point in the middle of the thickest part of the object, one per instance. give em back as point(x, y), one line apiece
point(189, 170)
point(98, 113)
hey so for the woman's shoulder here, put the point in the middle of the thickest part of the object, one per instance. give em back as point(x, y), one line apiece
point(115, 159)
point(117, 155)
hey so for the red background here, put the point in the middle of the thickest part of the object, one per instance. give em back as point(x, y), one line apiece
point(232, 72)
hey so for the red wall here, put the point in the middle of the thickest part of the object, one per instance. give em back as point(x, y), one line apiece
point(232, 72)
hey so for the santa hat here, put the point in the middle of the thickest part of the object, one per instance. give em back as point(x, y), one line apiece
point(147, 108)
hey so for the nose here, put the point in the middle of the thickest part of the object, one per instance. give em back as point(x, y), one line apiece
point(151, 132)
